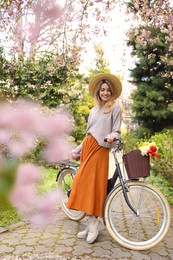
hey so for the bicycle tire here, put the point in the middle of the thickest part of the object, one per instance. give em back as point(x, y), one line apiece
point(137, 232)
point(64, 184)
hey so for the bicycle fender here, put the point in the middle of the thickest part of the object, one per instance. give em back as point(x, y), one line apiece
point(66, 167)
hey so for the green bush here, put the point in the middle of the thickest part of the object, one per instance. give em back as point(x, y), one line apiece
point(142, 132)
point(131, 142)
point(162, 184)
point(164, 165)
point(134, 137)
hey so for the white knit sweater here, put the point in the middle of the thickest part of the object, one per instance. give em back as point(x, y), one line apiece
point(101, 124)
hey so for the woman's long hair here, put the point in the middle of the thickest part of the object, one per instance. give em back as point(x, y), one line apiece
point(97, 100)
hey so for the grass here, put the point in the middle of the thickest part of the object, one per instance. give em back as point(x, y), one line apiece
point(10, 216)
point(49, 180)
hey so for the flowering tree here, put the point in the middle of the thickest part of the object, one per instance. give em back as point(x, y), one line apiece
point(33, 26)
point(156, 14)
point(152, 44)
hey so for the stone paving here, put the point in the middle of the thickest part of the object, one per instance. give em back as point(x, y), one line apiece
point(57, 240)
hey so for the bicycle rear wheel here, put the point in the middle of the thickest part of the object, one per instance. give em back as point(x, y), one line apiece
point(64, 184)
point(145, 230)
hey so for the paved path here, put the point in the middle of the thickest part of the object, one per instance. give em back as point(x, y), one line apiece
point(57, 240)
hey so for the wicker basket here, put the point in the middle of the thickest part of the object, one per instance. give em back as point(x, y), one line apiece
point(137, 166)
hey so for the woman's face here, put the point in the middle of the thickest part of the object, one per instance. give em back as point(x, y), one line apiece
point(105, 92)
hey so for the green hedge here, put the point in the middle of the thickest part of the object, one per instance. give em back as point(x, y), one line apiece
point(164, 165)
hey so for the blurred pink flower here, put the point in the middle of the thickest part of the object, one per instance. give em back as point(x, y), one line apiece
point(26, 117)
point(38, 209)
point(5, 115)
point(57, 150)
point(55, 125)
point(5, 136)
point(22, 125)
point(45, 208)
point(23, 197)
point(54, 12)
point(28, 174)
point(22, 144)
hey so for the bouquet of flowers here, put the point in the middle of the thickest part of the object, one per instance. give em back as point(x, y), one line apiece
point(149, 149)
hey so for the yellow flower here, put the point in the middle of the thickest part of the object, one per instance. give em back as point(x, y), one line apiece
point(145, 149)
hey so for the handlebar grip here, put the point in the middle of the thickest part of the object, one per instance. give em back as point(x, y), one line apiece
point(105, 140)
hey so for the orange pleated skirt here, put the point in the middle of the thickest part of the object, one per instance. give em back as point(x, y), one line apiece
point(89, 188)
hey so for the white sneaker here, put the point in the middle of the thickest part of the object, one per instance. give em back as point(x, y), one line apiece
point(83, 234)
point(94, 227)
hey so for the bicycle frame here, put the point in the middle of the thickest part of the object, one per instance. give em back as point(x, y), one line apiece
point(122, 182)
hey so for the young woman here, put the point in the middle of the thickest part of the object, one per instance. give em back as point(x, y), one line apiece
point(89, 188)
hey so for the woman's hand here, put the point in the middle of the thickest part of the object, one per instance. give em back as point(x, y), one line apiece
point(110, 139)
point(75, 155)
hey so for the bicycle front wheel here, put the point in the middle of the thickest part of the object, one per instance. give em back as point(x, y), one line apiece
point(64, 184)
point(151, 224)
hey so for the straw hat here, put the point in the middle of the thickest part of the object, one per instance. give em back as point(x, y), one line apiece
point(114, 81)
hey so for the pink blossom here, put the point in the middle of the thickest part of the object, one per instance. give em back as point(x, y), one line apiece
point(56, 125)
point(21, 145)
point(5, 136)
point(38, 209)
point(45, 208)
point(53, 12)
point(34, 31)
point(56, 150)
point(23, 197)
point(5, 115)
point(28, 174)
point(22, 125)
point(26, 116)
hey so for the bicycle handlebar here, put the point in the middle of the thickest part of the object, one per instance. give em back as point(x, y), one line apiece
point(105, 140)
point(119, 144)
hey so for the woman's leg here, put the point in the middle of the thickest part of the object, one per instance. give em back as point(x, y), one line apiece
point(94, 227)
point(91, 231)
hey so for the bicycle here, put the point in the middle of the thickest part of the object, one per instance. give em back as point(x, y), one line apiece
point(136, 214)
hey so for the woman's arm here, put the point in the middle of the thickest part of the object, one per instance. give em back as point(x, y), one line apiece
point(116, 123)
